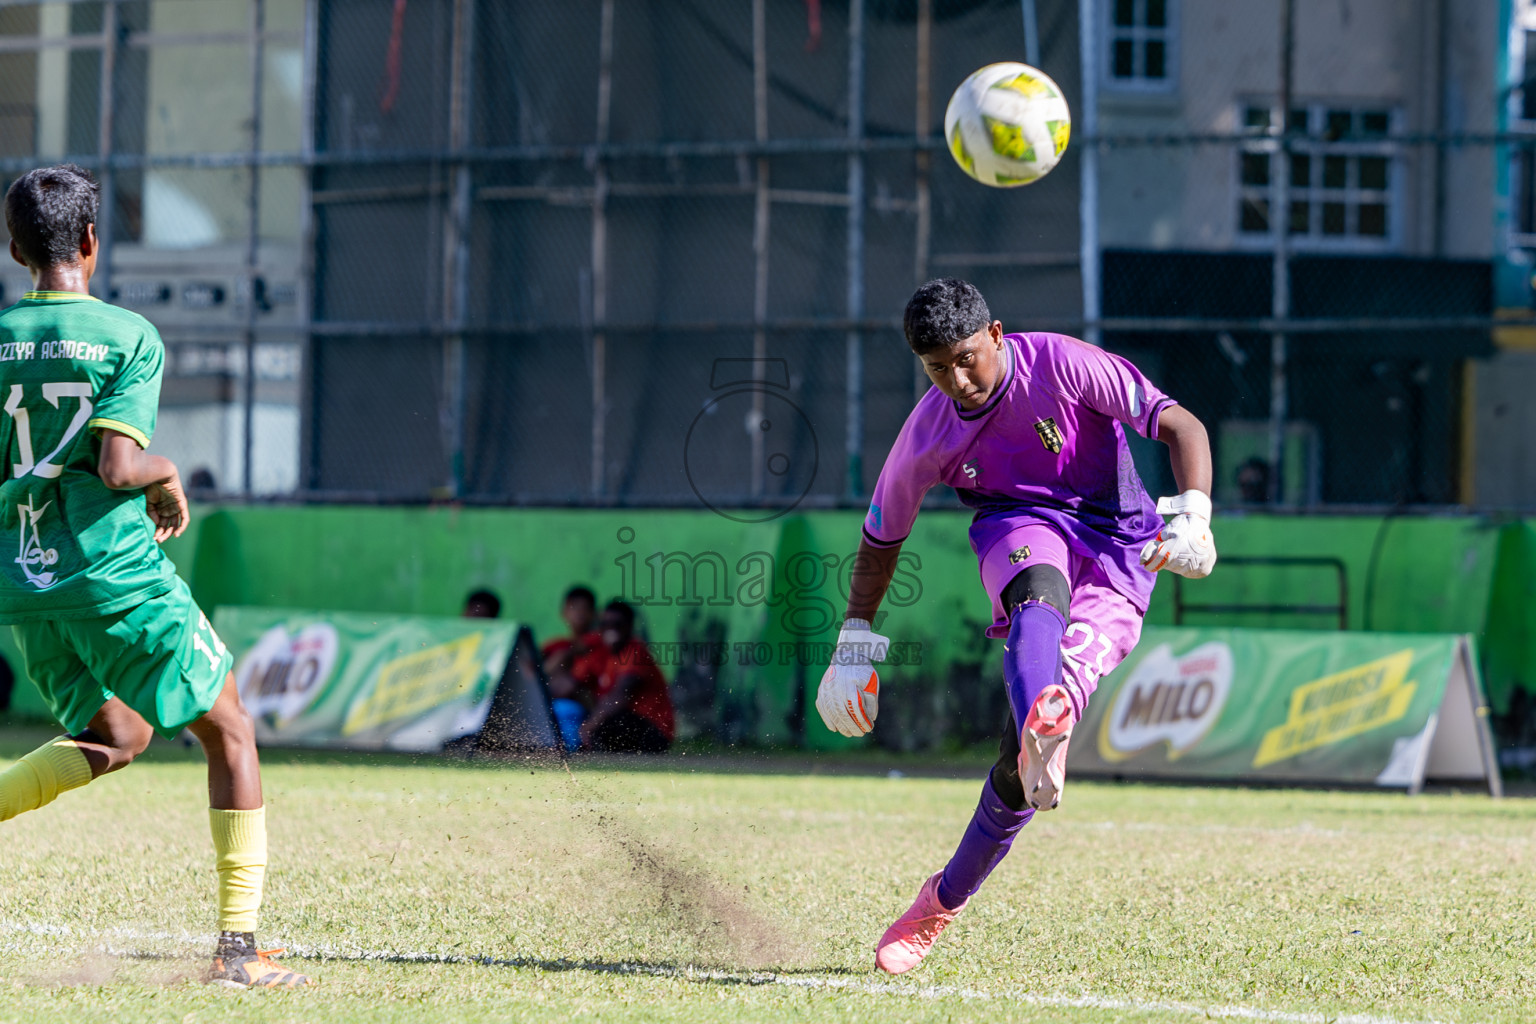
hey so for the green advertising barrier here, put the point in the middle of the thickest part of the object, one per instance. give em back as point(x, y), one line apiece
point(764, 596)
point(767, 594)
point(1384, 709)
point(365, 681)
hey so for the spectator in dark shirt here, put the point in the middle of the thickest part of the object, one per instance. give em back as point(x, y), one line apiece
point(633, 709)
point(482, 604)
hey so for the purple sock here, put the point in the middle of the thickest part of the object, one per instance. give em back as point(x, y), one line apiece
point(984, 844)
point(1031, 662)
point(1032, 659)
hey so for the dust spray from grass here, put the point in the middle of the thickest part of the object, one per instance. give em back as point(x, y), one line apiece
point(90, 969)
point(97, 967)
point(686, 898)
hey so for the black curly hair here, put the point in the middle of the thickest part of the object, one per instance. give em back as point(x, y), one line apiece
point(47, 211)
point(943, 312)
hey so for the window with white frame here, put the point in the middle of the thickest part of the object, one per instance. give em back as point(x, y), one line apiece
point(1528, 78)
point(1522, 121)
point(1140, 51)
point(1341, 176)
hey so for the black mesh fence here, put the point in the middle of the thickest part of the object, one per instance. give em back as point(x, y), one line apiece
point(656, 251)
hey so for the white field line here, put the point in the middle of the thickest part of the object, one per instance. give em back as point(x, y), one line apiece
point(877, 988)
point(1301, 831)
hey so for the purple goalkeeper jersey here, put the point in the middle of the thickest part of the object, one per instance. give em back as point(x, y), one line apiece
point(1047, 445)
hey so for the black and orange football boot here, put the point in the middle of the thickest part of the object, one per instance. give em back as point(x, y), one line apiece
point(237, 963)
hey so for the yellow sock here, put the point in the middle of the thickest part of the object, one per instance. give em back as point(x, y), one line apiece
point(39, 777)
point(240, 843)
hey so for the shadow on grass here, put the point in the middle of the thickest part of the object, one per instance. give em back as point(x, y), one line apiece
point(17, 739)
point(715, 974)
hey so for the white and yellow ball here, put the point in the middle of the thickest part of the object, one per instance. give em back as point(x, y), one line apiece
point(1007, 125)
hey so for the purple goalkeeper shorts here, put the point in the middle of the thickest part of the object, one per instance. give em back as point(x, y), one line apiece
point(1105, 624)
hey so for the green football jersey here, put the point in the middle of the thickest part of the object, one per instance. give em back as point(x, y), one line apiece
point(70, 366)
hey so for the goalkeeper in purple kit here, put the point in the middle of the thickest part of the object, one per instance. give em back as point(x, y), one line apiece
point(1029, 431)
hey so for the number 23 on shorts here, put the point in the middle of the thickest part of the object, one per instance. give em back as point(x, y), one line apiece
point(1081, 645)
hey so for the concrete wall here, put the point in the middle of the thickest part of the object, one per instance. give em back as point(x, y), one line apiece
point(1501, 469)
point(1382, 52)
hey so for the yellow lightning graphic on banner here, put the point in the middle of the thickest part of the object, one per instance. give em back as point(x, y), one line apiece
point(1339, 706)
point(417, 682)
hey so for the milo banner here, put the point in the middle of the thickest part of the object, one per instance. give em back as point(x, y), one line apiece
point(1384, 709)
point(368, 681)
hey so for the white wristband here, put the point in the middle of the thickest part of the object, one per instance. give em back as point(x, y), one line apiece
point(1191, 502)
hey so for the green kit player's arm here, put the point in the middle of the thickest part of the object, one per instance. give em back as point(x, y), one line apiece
point(124, 466)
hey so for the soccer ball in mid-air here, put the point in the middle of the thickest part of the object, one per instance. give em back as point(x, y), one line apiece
point(1007, 125)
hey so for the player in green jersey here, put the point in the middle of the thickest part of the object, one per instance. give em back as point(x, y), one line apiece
point(110, 633)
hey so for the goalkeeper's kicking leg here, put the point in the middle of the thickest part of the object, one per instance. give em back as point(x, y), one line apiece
point(1038, 601)
point(1048, 695)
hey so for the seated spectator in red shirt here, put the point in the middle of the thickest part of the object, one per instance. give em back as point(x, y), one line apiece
point(633, 712)
point(572, 664)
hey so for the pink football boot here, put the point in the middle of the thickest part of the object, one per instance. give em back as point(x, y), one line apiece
point(906, 942)
point(1043, 748)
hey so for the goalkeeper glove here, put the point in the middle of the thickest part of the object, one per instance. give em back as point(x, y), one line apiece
point(849, 697)
point(1184, 545)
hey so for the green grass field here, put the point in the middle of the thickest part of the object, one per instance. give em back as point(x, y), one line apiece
point(432, 891)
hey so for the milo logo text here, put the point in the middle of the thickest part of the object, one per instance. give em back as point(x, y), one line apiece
point(1168, 699)
point(285, 671)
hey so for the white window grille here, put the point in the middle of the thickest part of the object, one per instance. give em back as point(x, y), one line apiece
point(1521, 111)
point(1343, 176)
point(1141, 48)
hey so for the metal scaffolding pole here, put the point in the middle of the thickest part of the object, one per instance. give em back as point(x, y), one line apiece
point(106, 114)
point(855, 339)
point(600, 256)
point(1281, 224)
point(253, 281)
point(923, 197)
point(1442, 113)
point(1088, 206)
point(762, 206)
point(308, 461)
point(1031, 34)
point(456, 230)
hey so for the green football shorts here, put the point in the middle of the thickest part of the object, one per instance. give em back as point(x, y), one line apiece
point(161, 658)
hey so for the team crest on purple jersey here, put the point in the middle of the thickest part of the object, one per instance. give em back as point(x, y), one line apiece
point(972, 468)
point(1050, 434)
point(1018, 556)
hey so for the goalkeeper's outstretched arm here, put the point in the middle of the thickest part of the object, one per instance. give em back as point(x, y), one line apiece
point(872, 571)
point(849, 696)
